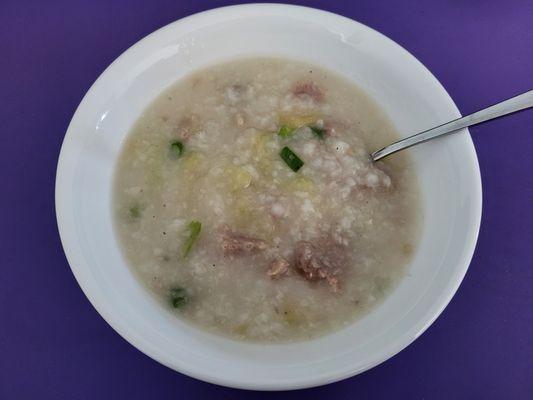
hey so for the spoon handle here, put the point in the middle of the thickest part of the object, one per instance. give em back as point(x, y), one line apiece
point(509, 106)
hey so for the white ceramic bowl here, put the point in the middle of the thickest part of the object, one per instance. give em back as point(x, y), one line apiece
point(413, 98)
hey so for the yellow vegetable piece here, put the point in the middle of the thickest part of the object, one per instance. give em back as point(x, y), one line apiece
point(247, 218)
point(301, 183)
point(237, 177)
point(192, 161)
point(191, 168)
point(292, 314)
point(243, 211)
point(241, 329)
point(261, 145)
point(264, 153)
point(152, 151)
point(296, 121)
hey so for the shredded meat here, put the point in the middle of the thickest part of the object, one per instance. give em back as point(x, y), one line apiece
point(185, 127)
point(308, 89)
point(278, 268)
point(235, 243)
point(316, 265)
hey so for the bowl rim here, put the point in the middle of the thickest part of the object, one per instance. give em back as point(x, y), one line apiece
point(257, 384)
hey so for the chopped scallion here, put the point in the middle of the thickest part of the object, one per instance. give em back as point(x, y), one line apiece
point(135, 211)
point(291, 159)
point(194, 229)
point(176, 149)
point(178, 297)
point(286, 131)
point(319, 132)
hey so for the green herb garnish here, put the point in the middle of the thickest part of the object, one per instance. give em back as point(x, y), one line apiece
point(178, 297)
point(194, 229)
point(135, 211)
point(319, 132)
point(286, 131)
point(176, 149)
point(291, 159)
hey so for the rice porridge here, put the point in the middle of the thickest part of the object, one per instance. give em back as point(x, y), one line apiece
point(245, 200)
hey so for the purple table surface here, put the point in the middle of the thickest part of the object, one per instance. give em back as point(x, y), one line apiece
point(54, 345)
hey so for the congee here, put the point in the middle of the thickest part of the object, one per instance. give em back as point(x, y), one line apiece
point(246, 202)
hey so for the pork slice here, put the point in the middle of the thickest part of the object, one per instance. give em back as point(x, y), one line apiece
point(278, 268)
point(308, 89)
point(185, 127)
point(234, 243)
point(316, 264)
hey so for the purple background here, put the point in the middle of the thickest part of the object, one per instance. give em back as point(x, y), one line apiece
point(53, 344)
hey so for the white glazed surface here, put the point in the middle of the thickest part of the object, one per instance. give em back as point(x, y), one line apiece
point(412, 97)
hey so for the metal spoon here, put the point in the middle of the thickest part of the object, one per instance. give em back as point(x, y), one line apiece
point(509, 106)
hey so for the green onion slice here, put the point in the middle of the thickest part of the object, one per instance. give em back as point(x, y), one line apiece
point(291, 159)
point(178, 297)
point(286, 131)
point(194, 229)
point(319, 132)
point(176, 149)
